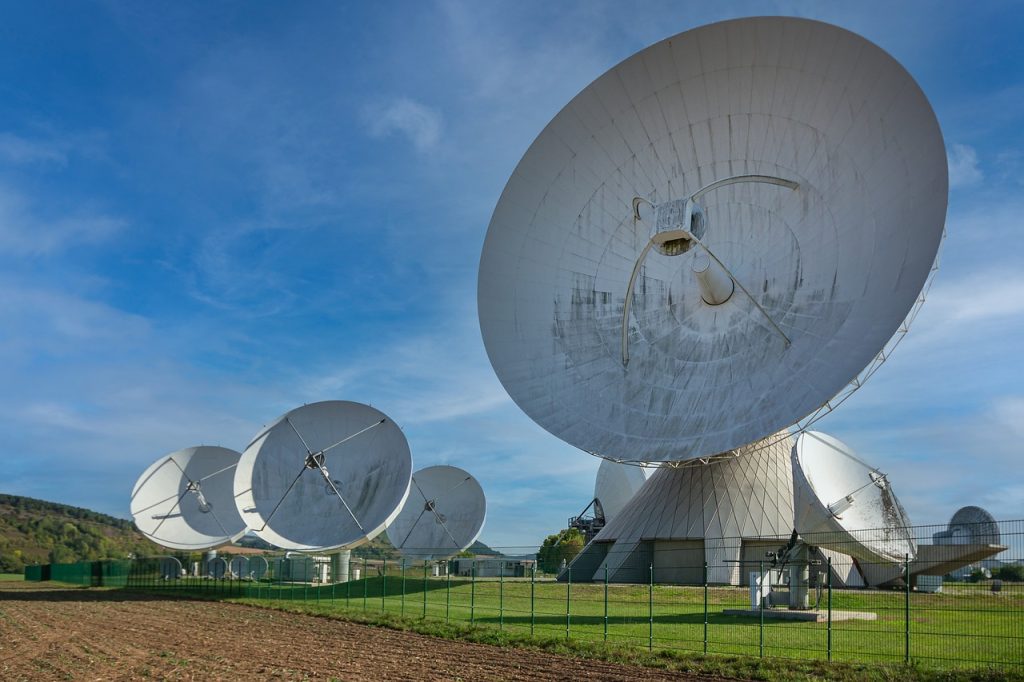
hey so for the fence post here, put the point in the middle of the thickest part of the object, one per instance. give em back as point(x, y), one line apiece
point(424, 589)
point(650, 611)
point(706, 607)
point(366, 585)
point(348, 586)
point(533, 589)
point(472, 593)
point(760, 611)
point(501, 596)
point(568, 591)
point(906, 608)
point(606, 602)
point(383, 583)
point(403, 589)
point(448, 592)
point(829, 569)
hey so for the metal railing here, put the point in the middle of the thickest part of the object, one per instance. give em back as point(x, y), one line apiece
point(663, 596)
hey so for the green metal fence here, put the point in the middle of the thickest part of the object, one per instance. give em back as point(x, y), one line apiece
point(976, 622)
point(106, 573)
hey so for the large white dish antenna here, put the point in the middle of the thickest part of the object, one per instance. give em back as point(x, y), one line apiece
point(713, 239)
point(324, 476)
point(616, 484)
point(184, 500)
point(444, 514)
point(844, 504)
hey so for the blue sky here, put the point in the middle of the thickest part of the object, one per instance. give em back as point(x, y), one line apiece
point(211, 213)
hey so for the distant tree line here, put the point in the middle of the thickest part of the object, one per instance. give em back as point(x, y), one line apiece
point(36, 531)
point(1013, 573)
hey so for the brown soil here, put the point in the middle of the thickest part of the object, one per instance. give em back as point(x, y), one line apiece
point(52, 632)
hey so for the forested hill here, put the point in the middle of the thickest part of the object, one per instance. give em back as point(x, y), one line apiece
point(36, 531)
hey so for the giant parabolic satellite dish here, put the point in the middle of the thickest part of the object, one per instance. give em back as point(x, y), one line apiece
point(443, 515)
point(324, 476)
point(844, 504)
point(713, 240)
point(184, 500)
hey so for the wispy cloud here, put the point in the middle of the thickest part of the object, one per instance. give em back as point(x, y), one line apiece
point(15, 149)
point(976, 297)
point(964, 170)
point(417, 122)
point(27, 229)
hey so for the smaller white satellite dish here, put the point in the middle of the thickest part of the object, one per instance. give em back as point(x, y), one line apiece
point(615, 486)
point(844, 504)
point(324, 476)
point(184, 500)
point(258, 567)
point(217, 567)
point(444, 514)
point(239, 567)
point(170, 568)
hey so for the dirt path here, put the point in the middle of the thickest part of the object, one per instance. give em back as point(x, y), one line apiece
point(49, 632)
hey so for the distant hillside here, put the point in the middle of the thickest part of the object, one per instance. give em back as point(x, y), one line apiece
point(36, 531)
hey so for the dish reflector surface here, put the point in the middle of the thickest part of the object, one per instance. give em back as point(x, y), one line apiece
point(713, 239)
point(184, 500)
point(844, 504)
point(324, 476)
point(616, 484)
point(443, 515)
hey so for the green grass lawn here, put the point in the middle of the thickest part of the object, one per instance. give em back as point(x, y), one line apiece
point(8, 577)
point(967, 627)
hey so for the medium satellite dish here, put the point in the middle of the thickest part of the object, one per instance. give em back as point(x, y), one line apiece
point(184, 500)
point(616, 484)
point(258, 567)
point(970, 525)
point(170, 568)
point(713, 239)
point(444, 514)
point(844, 504)
point(324, 476)
point(217, 567)
point(239, 567)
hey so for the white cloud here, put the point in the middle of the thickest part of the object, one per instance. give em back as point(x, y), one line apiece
point(26, 230)
point(978, 297)
point(19, 150)
point(419, 123)
point(963, 166)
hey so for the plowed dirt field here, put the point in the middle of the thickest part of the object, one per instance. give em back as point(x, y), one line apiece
point(50, 632)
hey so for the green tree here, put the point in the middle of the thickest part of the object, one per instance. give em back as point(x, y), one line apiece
point(1012, 573)
point(563, 546)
